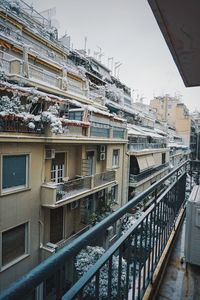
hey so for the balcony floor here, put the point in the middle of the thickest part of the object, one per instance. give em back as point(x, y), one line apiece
point(179, 284)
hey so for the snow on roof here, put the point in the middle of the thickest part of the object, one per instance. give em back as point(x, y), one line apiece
point(49, 97)
point(176, 145)
point(160, 131)
point(150, 132)
point(135, 130)
point(132, 131)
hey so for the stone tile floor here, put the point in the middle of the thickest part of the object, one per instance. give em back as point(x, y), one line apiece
point(180, 282)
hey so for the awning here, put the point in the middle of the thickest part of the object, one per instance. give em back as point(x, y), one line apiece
point(150, 161)
point(142, 162)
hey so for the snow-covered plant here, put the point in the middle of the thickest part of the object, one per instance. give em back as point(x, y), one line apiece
point(11, 105)
point(14, 5)
point(31, 125)
point(54, 109)
point(114, 94)
point(51, 117)
point(87, 258)
point(127, 222)
point(32, 99)
point(3, 76)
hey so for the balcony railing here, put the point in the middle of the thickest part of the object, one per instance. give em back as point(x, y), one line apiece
point(53, 193)
point(103, 178)
point(65, 242)
point(142, 146)
point(19, 127)
point(140, 247)
point(147, 173)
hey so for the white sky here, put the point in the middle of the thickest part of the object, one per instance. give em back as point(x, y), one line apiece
point(127, 31)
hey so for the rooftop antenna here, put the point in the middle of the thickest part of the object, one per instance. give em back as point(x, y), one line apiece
point(48, 14)
point(100, 54)
point(95, 54)
point(85, 44)
point(110, 59)
point(117, 65)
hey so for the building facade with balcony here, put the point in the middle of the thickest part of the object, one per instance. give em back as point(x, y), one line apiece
point(63, 154)
point(148, 158)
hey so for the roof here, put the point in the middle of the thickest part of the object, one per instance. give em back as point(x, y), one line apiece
point(179, 24)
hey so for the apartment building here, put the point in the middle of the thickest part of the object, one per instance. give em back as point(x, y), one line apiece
point(165, 107)
point(175, 113)
point(63, 154)
point(149, 158)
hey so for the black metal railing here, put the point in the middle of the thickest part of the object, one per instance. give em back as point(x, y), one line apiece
point(20, 126)
point(137, 251)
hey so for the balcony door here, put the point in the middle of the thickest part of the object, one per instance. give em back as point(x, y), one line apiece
point(58, 167)
point(90, 162)
point(56, 225)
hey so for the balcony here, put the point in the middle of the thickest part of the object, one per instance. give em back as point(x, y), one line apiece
point(147, 173)
point(75, 89)
point(19, 126)
point(144, 146)
point(53, 194)
point(44, 76)
point(142, 249)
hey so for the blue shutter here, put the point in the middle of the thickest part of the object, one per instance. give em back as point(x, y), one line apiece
point(14, 171)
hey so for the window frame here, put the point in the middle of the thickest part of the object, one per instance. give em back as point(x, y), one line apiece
point(15, 189)
point(27, 246)
point(63, 169)
point(115, 162)
point(114, 194)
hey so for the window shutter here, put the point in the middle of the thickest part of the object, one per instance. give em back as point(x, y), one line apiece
point(14, 171)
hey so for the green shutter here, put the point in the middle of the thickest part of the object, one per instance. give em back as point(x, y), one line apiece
point(14, 171)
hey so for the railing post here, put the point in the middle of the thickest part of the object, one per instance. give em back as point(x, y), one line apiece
point(92, 182)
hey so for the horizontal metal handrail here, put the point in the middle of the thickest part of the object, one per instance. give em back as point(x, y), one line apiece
point(81, 283)
point(33, 278)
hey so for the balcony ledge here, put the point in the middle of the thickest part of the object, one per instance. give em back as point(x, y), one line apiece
point(77, 196)
point(136, 184)
point(147, 151)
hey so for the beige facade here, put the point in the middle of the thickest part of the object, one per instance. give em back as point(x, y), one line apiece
point(63, 155)
point(176, 114)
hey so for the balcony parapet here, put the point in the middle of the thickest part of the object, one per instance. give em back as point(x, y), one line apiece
point(53, 194)
point(143, 146)
point(147, 173)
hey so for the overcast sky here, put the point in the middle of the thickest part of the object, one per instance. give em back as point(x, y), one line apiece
point(127, 31)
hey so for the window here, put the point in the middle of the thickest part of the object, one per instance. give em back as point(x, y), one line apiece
point(163, 158)
point(114, 194)
point(14, 244)
point(56, 225)
point(115, 159)
point(76, 115)
point(57, 168)
point(14, 172)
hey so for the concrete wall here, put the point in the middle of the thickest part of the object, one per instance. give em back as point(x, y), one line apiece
point(21, 207)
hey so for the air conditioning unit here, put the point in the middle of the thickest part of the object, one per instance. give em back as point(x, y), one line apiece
point(74, 205)
point(192, 232)
point(102, 156)
point(49, 153)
